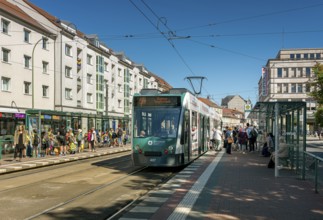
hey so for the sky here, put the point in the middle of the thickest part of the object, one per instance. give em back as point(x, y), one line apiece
point(226, 41)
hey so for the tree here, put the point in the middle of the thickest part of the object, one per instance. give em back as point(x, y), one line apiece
point(319, 117)
point(316, 84)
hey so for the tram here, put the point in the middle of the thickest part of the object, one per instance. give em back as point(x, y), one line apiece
point(170, 129)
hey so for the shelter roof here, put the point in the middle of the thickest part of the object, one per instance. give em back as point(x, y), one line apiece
point(269, 108)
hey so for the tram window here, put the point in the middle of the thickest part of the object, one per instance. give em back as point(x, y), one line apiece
point(185, 128)
point(194, 119)
point(142, 123)
point(156, 122)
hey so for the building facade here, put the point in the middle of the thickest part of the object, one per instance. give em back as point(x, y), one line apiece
point(51, 71)
point(285, 78)
point(234, 102)
point(26, 68)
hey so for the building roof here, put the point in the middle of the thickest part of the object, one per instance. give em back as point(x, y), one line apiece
point(228, 98)
point(44, 13)
point(162, 83)
point(209, 102)
point(231, 113)
point(57, 22)
point(225, 101)
point(15, 11)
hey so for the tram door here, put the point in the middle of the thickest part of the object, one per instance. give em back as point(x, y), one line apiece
point(185, 140)
point(203, 137)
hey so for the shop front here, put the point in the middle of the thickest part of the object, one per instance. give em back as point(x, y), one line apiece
point(8, 124)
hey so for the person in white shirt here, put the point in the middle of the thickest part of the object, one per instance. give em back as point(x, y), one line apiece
point(217, 137)
point(93, 139)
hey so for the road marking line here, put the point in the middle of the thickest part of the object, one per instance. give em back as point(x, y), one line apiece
point(185, 206)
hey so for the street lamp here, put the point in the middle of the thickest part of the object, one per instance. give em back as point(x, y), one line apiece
point(33, 73)
point(33, 88)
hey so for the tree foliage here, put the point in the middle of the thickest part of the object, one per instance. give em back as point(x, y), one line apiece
point(316, 84)
point(319, 117)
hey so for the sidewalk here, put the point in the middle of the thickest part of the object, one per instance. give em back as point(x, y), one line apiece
point(237, 186)
point(8, 165)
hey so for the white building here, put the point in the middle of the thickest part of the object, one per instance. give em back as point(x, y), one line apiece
point(27, 68)
point(79, 81)
point(285, 78)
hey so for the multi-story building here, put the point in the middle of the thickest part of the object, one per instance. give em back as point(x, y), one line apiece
point(27, 67)
point(79, 81)
point(285, 78)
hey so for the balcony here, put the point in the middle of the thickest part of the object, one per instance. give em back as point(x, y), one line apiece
point(79, 104)
point(79, 64)
point(79, 84)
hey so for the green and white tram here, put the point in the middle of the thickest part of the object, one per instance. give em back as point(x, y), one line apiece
point(170, 129)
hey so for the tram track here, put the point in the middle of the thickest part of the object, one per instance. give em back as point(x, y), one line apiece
point(35, 170)
point(45, 169)
point(106, 183)
point(83, 194)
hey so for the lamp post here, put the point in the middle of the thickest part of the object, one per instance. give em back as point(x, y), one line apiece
point(33, 73)
point(33, 88)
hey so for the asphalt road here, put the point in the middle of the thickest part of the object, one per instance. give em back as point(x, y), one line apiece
point(89, 189)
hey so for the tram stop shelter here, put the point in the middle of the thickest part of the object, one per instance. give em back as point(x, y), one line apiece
point(287, 122)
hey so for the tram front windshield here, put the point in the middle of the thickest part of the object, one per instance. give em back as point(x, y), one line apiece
point(156, 122)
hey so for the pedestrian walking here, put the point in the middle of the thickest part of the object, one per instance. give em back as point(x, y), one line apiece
point(120, 134)
point(217, 137)
point(71, 141)
point(252, 137)
point(20, 141)
point(35, 142)
point(89, 136)
point(62, 140)
point(51, 141)
point(229, 140)
point(93, 139)
point(79, 140)
point(242, 140)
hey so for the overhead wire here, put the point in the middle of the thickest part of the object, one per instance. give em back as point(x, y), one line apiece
point(212, 24)
point(163, 34)
point(172, 33)
point(174, 36)
point(251, 17)
point(227, 50)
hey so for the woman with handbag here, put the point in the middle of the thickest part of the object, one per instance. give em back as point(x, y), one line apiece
point(20, 141)
point(229, 140)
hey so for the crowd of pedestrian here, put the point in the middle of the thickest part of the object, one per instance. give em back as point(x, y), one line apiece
point(242, 139)
point(64, 141)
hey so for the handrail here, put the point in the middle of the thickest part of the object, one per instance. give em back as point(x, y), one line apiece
point(315, 169)
point(312, 155)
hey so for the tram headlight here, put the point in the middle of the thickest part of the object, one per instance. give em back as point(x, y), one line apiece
point(138, 149)
point(169, 149)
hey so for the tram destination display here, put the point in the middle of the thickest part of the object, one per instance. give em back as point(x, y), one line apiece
point(170, 101)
